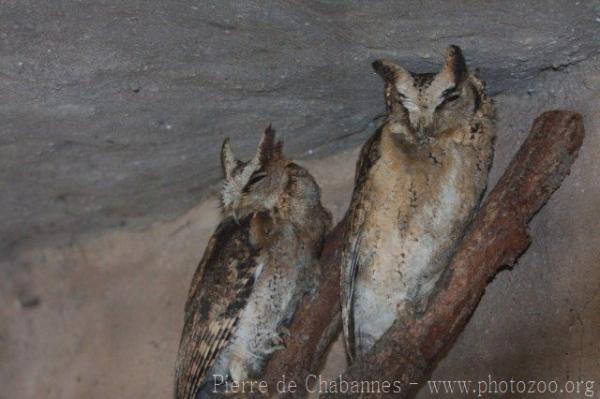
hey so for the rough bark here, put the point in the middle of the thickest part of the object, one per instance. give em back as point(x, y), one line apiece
point(495, 239)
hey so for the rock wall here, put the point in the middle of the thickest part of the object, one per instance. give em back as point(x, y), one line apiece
point(113, 111)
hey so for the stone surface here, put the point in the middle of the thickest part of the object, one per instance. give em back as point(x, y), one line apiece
point(86, 147)
point(113, 112)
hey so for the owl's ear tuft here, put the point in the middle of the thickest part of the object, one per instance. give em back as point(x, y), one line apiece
point(455, 66)
point(393, 74)
point(386, 69)
point(278, 150)
point(268, 141)
point(268, 149)
point(228, 161)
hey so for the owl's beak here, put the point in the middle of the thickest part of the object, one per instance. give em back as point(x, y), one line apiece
point(423, 133)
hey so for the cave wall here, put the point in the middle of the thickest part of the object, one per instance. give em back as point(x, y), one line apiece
point(113, 111)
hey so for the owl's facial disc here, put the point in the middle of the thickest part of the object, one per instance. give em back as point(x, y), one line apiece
point(250, 186)
point(235, 187)
point(424, 105)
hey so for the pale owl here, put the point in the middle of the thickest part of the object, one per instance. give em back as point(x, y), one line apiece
point(419, 179)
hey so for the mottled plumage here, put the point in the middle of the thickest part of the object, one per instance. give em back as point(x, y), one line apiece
point(257, 265)
point(419, 179)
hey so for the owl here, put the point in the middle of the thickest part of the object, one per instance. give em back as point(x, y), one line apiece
point(258, 264)
point(419, 179)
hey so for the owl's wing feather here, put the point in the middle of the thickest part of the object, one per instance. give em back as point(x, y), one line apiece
point(220, 289)
point(349, 272)
point(355, 218)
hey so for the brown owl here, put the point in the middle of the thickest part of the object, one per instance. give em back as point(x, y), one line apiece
point(260, 261)
point(418, 181)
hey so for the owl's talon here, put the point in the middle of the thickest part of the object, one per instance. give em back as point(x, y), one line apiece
point(277, 344)
point(284, 331)
point(278, 341)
